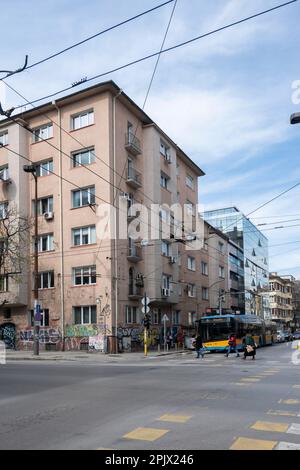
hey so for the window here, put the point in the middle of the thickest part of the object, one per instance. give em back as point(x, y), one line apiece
point(83, 197)
point(191, 263)
point(156, 316)
point(204, 293)
point(4, 283)
point(190, 208)
point(177, 169)
point(165, 248)
point(3, 210)
point(42, 133)
point(191, 290)
point(83, 119)
point(44, 205)
point(204, 268)
point(176, 317)
point(44, 317)
point(84, 276)
point(44, 168)
point(45, 243)
point(166, 281)
point(165, 150)
point(164, 180)
point(46, 280)
point(83, 157)
point(85, 315)
point(192, 317)
point(4, 174)
point(131, 314)
point(4, 138)
point(221, 272)
point(221, 247)
point(205, 244)
point(189, 181)
point(84, 235)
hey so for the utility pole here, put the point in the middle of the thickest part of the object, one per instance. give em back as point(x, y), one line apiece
point(37, 309)
point(145, 311)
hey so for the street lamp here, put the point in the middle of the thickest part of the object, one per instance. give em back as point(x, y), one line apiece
point(295, 118)
point(37, 314)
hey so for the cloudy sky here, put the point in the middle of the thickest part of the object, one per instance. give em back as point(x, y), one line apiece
point(226, 99)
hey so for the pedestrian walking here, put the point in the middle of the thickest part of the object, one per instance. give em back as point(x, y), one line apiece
point(249, 346)
point(169, 341)
point(232, 345)
point(199, 347)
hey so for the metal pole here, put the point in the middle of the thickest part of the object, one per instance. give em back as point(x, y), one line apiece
point(36, 272)
point(220, 304)
point(145, 328)
point(165, 334)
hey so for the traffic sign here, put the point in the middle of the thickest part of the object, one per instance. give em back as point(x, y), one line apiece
point(145, 300)
point(145, 309)
point(165, 318)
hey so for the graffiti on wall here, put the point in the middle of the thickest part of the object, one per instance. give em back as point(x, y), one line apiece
point(76, 344)
point(86, 330)
point(8, 335)
point(46, 336)
point(135, 335)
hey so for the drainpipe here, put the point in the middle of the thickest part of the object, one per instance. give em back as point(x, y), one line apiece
point(116, 221)
point(61, 231)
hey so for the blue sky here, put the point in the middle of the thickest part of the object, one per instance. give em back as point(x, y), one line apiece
point(226, 100)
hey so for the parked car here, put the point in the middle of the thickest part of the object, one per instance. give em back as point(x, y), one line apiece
point(296, 335)
point(280, 337)
point(288, 336)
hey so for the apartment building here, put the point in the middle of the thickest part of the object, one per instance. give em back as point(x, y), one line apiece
point(96, 153)
point(281, 294)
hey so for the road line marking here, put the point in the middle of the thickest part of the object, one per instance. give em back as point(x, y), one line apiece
point(243, 443)
point(249, 379)
point(104, 448)
point(175, 418)
point(287, 446)
point(269, 426)
point(290, 402)
point(240, 383)
point(294, 429)
point(282, 413)
point(146, 434)
point(296, 386)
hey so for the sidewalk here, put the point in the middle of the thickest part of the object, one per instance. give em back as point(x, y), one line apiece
point(85, 355)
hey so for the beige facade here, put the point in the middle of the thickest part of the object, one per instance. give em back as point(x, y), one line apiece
point(281, 299)
point(93, 148)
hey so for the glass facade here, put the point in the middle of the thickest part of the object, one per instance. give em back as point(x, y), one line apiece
point(254, 246)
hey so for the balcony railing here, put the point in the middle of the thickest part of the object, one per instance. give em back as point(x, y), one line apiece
point(134, 253)
point(134, 292)
point(132, 144)
point(134, 178)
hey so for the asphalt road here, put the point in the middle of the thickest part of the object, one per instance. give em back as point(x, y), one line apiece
point(214, 403)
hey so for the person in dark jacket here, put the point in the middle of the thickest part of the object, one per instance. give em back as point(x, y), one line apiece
point(249, 346)
point(199, 347)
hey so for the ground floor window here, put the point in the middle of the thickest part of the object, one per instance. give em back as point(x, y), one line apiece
point(44, 317)
point(84, 315)
point(132, 314)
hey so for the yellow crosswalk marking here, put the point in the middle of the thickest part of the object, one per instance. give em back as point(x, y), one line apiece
point(175, 418)
point(290, 402)
point(269, 426)
point(243, 443)
point(250, 379)
point(146, 434)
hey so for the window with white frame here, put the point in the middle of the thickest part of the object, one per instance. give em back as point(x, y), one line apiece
point(85, 315)
point(3, 210)
point(44, 317)
point(83, 197)
point(84, 276)
point(177, 169)
point(166, 281)
point(44, 205)
point(83, 119)
point(205, 293)
point(204, 268)
point(221, 247)
point(46, 280)
point(4, 173)
point(3, 138)
point(84, 235)
point(192, 318)
point(131, 314)
point(165, 150)
point(222, 272)
point(42, 133)
point(176, 317)
point(191, 263)
point(83, 157)
point(44, 168)
point(164, 180)
point(189, 181)
point(4, 283)
point(156, 316)
point(45, 243)
point(191, 290)
point(165, 248)
point(190, 207)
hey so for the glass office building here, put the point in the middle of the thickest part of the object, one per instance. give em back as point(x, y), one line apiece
point(254, 244)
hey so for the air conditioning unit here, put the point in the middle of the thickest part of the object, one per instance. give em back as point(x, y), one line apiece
point(49, 215)
point(165, 292)
point(172, 259)
point(4, 176)
point(126, 196)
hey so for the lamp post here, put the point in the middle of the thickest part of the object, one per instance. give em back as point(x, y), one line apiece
point(37, 314)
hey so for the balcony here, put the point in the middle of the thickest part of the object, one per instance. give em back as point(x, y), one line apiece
point(134, 178)
point(134, 253)
point(134, 292)
point(132, 144)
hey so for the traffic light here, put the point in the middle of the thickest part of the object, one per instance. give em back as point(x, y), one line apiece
point(147, 321)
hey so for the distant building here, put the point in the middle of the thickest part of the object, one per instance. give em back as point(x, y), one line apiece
point(252, 277)
point(281, 300)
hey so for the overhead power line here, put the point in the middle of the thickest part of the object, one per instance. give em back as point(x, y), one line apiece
point(56, 54)
point(163, 51)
